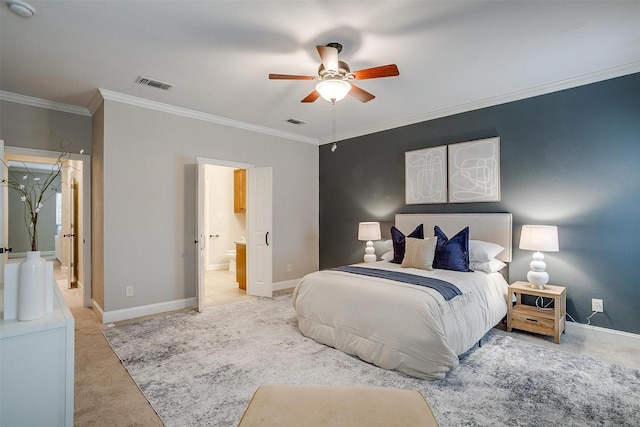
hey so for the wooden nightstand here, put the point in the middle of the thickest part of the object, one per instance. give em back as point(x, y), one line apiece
point(533, 319)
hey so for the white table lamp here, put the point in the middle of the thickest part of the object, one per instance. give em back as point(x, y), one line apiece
point(369, 231)
point(539, 238)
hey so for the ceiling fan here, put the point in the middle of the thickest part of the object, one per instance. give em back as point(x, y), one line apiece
point(335, 77)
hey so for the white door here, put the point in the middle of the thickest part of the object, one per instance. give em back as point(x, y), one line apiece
point(200, 240)
point(66, 235)
point(3, 235)
point(259, 230)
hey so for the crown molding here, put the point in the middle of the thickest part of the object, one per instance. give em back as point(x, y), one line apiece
point(193, 114)
point(585, 79)
point(101, 94)
point(43, 103)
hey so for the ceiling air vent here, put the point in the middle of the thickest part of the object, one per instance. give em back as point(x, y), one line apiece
point(295, 122)
point(153, 83)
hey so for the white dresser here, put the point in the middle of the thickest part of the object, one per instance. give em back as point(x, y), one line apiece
point(36, 369)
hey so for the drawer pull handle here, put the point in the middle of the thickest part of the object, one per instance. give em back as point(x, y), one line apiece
point(532, 320)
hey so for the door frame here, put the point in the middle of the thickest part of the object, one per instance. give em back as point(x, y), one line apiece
point(19, 152)
point(201, 238)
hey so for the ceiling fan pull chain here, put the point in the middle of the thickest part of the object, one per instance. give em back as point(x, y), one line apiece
point(333, 132)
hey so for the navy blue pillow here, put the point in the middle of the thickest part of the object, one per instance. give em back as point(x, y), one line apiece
point(453, 253)
point(399, 241)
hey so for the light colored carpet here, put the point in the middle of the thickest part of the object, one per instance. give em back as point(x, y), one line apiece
point(202, 369)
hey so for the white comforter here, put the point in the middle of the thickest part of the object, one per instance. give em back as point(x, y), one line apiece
point(394, 325)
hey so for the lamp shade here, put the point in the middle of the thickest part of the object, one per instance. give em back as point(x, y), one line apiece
point(543, 238)
point(333, 89)
point(369, 231)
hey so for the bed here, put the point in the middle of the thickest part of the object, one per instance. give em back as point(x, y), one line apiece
point(364, 311)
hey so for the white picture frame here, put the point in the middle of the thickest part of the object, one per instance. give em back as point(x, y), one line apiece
point(474, 171)
point(426, 175)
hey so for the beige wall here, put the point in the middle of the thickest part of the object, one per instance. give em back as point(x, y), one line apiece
point(146, 161)
point(97, 209)
point(38, 128)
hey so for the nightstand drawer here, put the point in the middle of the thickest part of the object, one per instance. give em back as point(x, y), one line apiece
point(538, 325)
point(533, 319)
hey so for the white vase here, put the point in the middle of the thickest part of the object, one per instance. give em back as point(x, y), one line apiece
point(31, 287)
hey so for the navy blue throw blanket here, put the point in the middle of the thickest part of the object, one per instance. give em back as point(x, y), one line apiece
point(446, 289)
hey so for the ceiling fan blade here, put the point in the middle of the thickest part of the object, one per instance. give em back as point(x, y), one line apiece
point(377, 72)
point(289, 77)
point(360, 94)
point(329, 57)
point(311, 97)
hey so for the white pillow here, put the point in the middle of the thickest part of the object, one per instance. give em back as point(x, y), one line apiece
point(388, 245)
point(387, 256)
point(481, 251)
point(492, 266)
point(419, 253)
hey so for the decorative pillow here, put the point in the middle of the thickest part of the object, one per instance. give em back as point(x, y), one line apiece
point(398, 241)
point(419, 253)
point(452, 254)
point(492, 266)
point(481, 251)
point(388, 255)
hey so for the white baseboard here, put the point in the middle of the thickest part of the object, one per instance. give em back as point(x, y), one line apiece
point(43, 254)
point(602, 336)
point(211, 267)
point(151, 309)
point(287, 284)
point(143, 310)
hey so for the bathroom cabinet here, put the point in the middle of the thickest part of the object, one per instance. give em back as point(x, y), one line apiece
point(240, 191)
point(241, 265)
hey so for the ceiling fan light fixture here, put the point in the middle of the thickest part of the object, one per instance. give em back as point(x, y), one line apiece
point(21, 8)
point(334, 89)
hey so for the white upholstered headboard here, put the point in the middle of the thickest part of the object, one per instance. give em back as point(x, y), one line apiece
point(490, 227)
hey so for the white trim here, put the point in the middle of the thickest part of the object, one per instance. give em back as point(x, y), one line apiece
point(286, 284)
point(43, 254)
point(218, 267)
point(193, 114)
point(51, 155)
point(225, 163)
point(43, 103)
point(585, 79)
point(143, 310)
point(601, 336)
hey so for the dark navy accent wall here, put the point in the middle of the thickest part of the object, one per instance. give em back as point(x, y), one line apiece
point(569, 158)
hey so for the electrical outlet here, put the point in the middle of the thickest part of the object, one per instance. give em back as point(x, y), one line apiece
point(597, 305)
point(128, 291)
point(288, 267)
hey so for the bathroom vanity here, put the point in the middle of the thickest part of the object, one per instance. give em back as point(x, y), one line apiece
point(241, 265)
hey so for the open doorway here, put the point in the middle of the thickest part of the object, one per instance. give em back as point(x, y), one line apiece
point(225, 230)
point(259, 211)
point(65, 237)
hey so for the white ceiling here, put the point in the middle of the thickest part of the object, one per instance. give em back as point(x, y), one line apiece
point(452, 55)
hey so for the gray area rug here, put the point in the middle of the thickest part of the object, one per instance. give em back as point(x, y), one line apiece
point(201, 369)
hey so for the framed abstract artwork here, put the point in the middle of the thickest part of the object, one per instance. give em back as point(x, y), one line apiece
point(426, 175)
point(474, 171)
